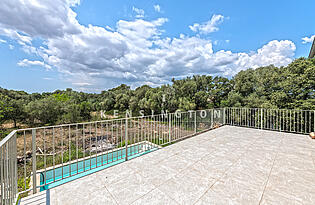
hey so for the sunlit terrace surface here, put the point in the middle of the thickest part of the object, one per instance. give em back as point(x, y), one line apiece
point(227, 165)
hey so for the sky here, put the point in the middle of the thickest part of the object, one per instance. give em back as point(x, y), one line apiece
point(94, 45)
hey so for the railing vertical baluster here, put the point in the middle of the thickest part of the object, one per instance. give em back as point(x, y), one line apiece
point(212, 118)
point(83, 145)
point(54, 153)
point(107, 140)
point(96, 144)
point(102, 144)
point(34, 159)
point(302, 119)
point(280, 124)
point(45, 159)
point(126, 137)
point(169, 127)
point(76, 146)
point(290, 120)
point(310, 118)
point(62, 152)
point(24, 154)
point(15, 165)
point(1, 176)
point(90, 137)
point(6, 170)
point(261, 118)
point(305, 122)
point(195, 121)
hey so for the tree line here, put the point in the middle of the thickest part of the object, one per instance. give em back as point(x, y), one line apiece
point(290, 87)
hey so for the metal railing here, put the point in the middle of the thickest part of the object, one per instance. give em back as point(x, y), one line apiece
point(294, 121)
point(8, 169)
point(37, 159)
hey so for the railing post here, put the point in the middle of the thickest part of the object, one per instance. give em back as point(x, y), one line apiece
point(212, 118)
point(15, 164)
point(261, 118)
point(195, 122)
point(126, 137)
point(223, 116)
point(34, 159)
point(1, 177)
point(169, 127)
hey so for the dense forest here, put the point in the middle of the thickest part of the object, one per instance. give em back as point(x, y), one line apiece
point(291, 87)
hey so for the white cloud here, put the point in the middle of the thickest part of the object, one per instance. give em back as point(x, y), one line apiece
point(157, 8)
point(93, 58)
point(26, 62)
point(82, 84)
point(278, 53)
point(2, 41)
point(139, 12)
point(308, 39)
point(209, 26)
point(11, 47)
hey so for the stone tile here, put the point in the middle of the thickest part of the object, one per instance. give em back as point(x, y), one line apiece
point(211, 197)
point(187, 187)
point(251, 176)
point(101, 196)
point(278, 198)
point(295, 162)
point(155, 197)
point(78, 188)
point(157, 174)
point(289, 183)
point(132, 188)
point(208, 171)
point(176, 162)
point(113, 174)
point(238, 192)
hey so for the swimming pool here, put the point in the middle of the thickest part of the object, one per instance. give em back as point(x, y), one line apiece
point(53, 177)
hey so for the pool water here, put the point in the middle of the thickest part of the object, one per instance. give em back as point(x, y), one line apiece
point(75, 170)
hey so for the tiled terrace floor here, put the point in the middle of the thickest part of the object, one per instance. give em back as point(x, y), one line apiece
point(228, 165)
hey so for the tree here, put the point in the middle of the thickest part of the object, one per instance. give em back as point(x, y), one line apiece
point(16, 111)
point(45, 111)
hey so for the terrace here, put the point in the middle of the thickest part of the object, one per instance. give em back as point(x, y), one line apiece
point(253, 156)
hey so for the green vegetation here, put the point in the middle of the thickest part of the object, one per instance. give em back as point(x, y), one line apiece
point(289, 87)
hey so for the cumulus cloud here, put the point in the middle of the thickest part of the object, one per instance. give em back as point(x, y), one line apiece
point(42, 18)
point(93, 58)
point(308, 39)
point(278, 53)
point(26, 62)
point(209, 26)
point(157, 8)
point(139, 12)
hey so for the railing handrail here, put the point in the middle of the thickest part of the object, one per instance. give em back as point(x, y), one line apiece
point(265, 108)
point(7, 138)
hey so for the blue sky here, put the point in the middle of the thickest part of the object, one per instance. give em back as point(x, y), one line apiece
point(96, 45)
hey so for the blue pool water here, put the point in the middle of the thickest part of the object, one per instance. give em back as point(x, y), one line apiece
point(75, 170)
